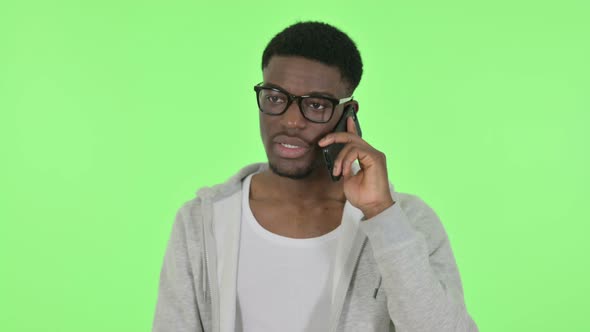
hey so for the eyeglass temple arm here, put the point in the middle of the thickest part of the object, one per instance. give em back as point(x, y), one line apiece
point(344, 100)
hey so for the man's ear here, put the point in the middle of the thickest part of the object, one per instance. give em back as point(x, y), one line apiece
point(355, 105)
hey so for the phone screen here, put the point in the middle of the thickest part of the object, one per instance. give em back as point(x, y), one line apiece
point(331, 151)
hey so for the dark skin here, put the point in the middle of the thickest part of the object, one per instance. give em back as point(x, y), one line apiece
point(312, 206)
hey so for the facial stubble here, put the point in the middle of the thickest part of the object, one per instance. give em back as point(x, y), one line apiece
point(299, 174)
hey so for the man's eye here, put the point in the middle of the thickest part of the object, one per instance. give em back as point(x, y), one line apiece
point(275, 99)
point(317, 106)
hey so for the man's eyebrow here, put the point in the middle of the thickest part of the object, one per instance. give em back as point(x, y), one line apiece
point(311, 93)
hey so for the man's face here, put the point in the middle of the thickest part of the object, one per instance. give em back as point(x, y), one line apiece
point(291, 141)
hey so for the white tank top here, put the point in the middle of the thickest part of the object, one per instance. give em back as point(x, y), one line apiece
point(284, 284)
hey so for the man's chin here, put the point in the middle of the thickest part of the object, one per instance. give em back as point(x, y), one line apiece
point(295, 174)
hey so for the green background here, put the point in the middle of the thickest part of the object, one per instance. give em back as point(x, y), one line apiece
point(113, 113)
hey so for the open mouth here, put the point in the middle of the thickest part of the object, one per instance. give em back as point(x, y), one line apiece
point(290, 146)
point(290, 151)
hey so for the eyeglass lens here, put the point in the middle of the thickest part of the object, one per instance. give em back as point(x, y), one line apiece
point(314, 108)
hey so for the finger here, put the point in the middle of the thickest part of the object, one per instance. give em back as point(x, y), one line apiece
point(351, 156)
point(367, 158)
point(343, 156)
point(342, 137)
point(338, 159)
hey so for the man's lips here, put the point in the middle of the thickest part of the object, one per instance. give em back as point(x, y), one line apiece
point(290, 147)
point(291, 140)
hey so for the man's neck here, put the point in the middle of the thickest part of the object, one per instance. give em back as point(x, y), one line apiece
point(302, 208)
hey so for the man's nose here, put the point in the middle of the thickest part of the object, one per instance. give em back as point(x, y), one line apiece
point(293, 118)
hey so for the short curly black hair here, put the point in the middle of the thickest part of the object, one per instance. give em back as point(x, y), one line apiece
point(318, 41)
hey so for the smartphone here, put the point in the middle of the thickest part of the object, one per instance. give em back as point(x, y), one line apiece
point(331, 151)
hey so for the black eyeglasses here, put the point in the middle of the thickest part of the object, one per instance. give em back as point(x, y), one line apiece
point(315, 108)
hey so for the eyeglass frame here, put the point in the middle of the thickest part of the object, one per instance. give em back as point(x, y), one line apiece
point(335, 101)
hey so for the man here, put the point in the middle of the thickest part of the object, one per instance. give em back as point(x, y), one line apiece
point(282, 247)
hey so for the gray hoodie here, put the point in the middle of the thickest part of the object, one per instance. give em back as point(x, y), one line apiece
point(394, 272)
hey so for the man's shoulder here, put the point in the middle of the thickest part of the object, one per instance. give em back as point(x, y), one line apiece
point(421, 216)
point(230, 186)
point(411, 204)
point(205, 196)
